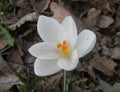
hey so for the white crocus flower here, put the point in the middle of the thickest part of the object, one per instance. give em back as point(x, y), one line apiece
point(61, 48)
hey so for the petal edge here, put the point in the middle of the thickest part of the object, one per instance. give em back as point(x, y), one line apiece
point(45, 67)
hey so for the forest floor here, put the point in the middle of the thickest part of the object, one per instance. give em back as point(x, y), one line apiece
point(99, 71)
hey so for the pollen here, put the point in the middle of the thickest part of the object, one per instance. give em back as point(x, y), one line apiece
point(63, 47)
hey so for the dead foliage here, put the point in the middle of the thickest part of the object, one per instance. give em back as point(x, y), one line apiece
point(100, 67)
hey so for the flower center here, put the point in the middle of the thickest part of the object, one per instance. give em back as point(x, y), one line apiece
point(63, 47)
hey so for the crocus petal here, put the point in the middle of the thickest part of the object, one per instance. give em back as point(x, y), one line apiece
point(69, 63)
point(71, 29)
point(85, 42)
point(45, 50)
point(50, 30)
point(45, 67)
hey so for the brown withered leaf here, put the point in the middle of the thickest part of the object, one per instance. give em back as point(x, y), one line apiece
point(103, 64)
point(14, 15)
point(40, 5)
point(7, 77)
point(115, 53)
point(54, 79)
point(60, 12)
point(15, 56)
point(92, 18)
point(105, 51)
point(117, 20)
point(107, 87)
point(118, 34)
point(91, 72)
point(21, 2)
point(2, 43)
point(76, 89)
point(3, 66)
point(29, 59)
point(29, 17)
point(7, 81)
point(117, 41)
point(105, 40)
point(19, 46)
point(116, 87)
point(110, 88)
point(46, 5)
point(103, 5)
point(105, 21)
point(22, 11)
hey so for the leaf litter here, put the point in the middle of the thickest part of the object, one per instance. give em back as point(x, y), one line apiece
point(100, 67)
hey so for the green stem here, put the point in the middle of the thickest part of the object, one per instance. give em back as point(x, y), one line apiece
point(64, 81)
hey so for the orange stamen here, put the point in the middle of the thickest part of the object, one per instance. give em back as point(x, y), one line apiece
point(64, 42)
point(59, 45)
point(63, 46)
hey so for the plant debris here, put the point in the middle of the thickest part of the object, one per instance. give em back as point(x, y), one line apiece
point(99, 71)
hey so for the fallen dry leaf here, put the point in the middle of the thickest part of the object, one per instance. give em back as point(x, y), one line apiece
point(46, 5)
point(103, 64)
point(29, 17)
point(118, 34)
point(21, 2)
point(4, 68)
point(2, 43)
point(105, 51)
point(115, 53)
point(116, 87)
point(3, 65)
point(117, 20)
point(109, 88)
point(91, 72)
point(7, 78)
point(53, 80)
point(103, 5)
point(117, 41)
point(29, 59)
point(105, 41)
point(67, 84)
point(14, 56)
point(60, 12)
point(22, 11)
point(99, 37)
point(40, 5)
point(19, 46)
point(105, 21)
point(7, 81)
point(76, 89)
point(92, 18)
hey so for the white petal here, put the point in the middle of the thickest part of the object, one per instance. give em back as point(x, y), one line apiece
point(45, 50)
point(69, 63)
point(71, 29)
point(45, 67)
point(50, 30)
point(85, 42)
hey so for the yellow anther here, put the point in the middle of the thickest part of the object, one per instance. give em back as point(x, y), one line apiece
point(59, 45)
point(64, 42)
point(63, 46)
